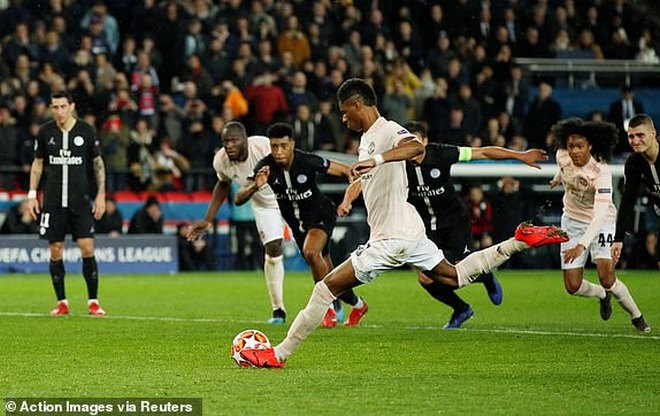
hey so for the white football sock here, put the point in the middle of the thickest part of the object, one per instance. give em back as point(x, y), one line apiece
point(306, 321)
point(274, 274)
point(590, 290)
point(486, 260)
point(622, 295)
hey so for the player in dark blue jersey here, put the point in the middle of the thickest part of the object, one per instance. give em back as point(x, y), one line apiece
point(445, 216)
point(311, 216)
point(67, 150)
point(642, 169)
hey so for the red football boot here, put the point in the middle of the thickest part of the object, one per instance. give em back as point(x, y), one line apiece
point(538, 236)
point(262, 358)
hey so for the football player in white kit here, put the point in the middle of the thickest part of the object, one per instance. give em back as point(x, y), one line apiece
point(589, 215)
point(236, 162)
point(397, 235)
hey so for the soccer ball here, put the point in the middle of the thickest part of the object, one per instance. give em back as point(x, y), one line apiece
point(248, 339)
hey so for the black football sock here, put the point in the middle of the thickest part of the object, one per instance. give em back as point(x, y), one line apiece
point(91, 275)
point(349, 297)
point(57, 276)
point(447, 295)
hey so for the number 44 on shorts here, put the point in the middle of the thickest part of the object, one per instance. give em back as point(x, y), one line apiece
point(602, 240)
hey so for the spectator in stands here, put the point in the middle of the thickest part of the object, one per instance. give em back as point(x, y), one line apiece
point(298, 94)
point(148, 219)
point(396, 104)
point(543, 113)
point(621, 111)
point(171, 118)
point(169, 167)
point(509, 205)
point(436, 111)
point(295, 41)
point(648, 48)
point(455, 132)
point(472, 119)
point(19, 221)
point(193, 255)
point(127, 59)
point(143, 66)
point(480, 212)
point(123, 104)
point(112, 221)
point(99, 14)
point(115, 138)
point(9, 141)
point(139, 156)
point(53, 51)
point(266, 101)
point(19, 43)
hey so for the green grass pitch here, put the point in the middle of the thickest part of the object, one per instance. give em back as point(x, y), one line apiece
point(541, 351)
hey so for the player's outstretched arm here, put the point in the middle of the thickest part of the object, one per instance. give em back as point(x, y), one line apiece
point(406, 150)
point(35, 176)
point(98, 209)
point(529, 157)
point(350, 195)
point(220, 193)
point(245, 193)
point(339, 169)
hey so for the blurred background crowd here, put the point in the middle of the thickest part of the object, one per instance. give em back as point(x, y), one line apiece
point(160, 78)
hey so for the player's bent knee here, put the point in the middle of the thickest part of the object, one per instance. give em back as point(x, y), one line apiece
point(273, 248)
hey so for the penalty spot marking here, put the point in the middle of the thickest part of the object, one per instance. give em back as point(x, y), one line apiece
point(432, 328)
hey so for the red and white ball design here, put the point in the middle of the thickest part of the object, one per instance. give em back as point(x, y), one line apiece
point(248, 339)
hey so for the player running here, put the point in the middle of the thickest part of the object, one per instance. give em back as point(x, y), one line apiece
point(291, 174)
point(589, 216)
point(235, 162)
point(642, 168)
point(445, 216)
point(397, 235)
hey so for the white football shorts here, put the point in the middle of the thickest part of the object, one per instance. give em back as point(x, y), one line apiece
point(599, 248)
point(376, 257)
point(270, 223)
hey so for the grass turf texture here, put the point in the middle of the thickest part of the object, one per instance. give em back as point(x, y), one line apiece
point(540, 351)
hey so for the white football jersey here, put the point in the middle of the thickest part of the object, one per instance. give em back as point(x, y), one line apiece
point(385, 187)
point(227, 170)
point(584, 186)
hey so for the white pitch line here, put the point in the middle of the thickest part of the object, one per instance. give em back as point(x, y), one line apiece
point(432, 328)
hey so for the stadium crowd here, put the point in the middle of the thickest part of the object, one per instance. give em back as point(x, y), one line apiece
point(160, 78)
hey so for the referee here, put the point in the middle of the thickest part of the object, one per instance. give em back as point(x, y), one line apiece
point(67, 150)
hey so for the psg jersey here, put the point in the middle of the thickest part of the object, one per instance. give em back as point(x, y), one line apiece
point(298, 196)
point(67, 160)
point(429, 188)
point(639, 173)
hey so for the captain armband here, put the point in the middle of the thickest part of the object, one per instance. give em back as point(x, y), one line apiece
point(464, 154)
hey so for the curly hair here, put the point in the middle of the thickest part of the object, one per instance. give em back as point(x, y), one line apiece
point(601, 136)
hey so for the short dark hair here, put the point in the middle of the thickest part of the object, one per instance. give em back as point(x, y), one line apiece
point(280, 130)
point(61, 94)
point(639, 119)
point(235, 127)
point(416, 127)
point(358, 89)
point(601, 135)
